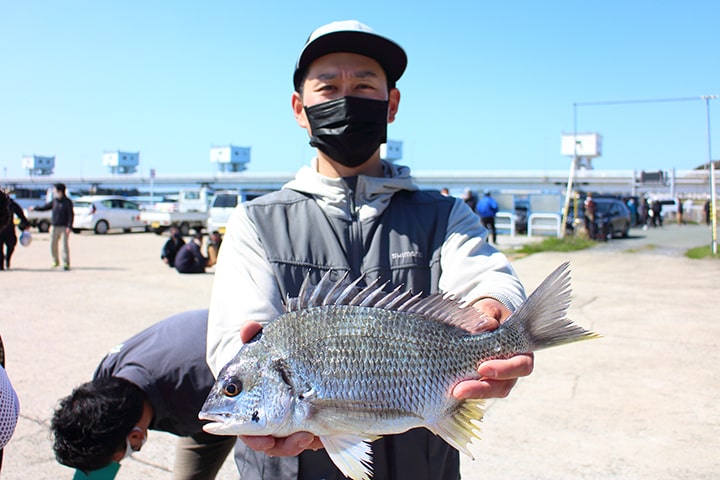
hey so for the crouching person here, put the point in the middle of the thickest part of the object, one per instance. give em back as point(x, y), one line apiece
point(156, 380)
point(189, 258)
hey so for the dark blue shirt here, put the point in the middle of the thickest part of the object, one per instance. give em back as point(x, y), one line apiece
point(189, 259)
point(167, 362)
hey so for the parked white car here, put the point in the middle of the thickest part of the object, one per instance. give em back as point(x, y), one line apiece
point(101, 213)
point(221, 207)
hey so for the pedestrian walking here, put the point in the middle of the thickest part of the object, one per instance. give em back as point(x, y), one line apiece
point(487, 208)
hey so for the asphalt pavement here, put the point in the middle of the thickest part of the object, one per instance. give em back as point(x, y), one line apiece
point(639, 403)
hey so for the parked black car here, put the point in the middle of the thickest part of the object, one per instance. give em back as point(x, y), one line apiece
point(612, 217)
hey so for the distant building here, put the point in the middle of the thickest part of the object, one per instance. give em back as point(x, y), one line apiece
point(121, 162)
point(391, 150)
point(38, 165)
point(230, 158)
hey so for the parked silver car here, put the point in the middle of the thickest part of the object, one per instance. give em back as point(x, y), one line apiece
point(101, 213)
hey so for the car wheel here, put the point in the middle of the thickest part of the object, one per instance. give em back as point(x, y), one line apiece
point(102, 227)
point(44, 226)
point(626, 231)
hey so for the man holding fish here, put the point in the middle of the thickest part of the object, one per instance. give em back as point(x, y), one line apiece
point(353, 213)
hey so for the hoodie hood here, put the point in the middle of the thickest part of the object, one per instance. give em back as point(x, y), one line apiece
point(372, 194)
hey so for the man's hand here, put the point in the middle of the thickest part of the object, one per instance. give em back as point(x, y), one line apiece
point(498, 376)
point(289, 446)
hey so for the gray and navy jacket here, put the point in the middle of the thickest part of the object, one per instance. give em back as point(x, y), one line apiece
point(373, 226)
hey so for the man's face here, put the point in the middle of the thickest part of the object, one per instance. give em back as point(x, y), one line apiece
point(338, 75)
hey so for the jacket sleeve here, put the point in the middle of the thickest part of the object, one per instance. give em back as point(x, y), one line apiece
point(17, 210)
point(42, 208)
point(472, 268)
point(244, 289)
point(70, 213)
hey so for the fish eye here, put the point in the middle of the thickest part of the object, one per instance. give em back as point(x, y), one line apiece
point(232, 388)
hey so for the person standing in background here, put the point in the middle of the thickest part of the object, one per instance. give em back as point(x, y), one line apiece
point(62, 222)
point(8, 237)
point(487, 208)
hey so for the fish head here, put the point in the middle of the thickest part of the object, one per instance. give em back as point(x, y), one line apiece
point(250, 397)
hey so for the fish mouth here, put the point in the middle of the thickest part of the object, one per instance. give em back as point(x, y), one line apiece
point(216, 417)
point(218, 422)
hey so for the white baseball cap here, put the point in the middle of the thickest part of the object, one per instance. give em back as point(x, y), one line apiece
point(353, 37)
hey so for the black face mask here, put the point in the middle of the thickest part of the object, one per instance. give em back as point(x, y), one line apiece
point(348, 129)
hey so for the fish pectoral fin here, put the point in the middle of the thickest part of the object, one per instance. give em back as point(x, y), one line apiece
point(462, 426)
point(351, 454)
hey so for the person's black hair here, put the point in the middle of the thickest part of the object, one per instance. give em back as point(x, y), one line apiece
point(198, 235)
point(5, 214)
point(91, 424)
point(60, 187)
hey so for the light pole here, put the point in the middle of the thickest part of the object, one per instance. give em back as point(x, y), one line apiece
point(571, 177)
point(711, 165)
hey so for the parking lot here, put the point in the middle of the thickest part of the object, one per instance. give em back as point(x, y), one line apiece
point(640, 403)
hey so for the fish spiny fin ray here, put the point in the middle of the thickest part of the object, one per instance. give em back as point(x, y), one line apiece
point(460, 428)
point(439, 307)
point(351, 454)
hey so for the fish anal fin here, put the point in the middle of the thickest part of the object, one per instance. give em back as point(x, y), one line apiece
point(462, 426)
point(352, 454)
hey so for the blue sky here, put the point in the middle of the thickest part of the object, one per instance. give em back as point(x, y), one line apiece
point(490, 85)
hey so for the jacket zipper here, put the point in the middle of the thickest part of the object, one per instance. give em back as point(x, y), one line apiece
point(355, 234)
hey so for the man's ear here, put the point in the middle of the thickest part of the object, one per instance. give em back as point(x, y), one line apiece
point(299, 110)
point(393, 103)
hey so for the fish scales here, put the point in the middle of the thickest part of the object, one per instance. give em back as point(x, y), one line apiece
point(365, 354)
point(351, 364)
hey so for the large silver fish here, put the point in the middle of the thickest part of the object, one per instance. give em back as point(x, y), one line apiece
point(350, 365)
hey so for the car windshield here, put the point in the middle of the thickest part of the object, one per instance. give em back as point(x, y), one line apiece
point(82, 204)
point(226, 201)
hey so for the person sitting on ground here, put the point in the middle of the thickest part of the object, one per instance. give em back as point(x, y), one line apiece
point(189, 258)
point(156, 380)
point(171, 247)
point(213, 248)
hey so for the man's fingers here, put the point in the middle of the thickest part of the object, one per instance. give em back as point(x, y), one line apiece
point(282, 447)
point(513, 367)
point(248, 331)
point(498, 378)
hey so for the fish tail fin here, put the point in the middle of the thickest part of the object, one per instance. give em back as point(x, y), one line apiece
point(542, 318)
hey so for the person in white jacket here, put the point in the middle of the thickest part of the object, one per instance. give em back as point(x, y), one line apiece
point(351, 211)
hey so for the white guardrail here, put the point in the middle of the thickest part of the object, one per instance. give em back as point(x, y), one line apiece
point(544, 222)
point(505, 221)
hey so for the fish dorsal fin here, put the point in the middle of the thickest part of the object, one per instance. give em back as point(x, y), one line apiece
point(439, 307)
